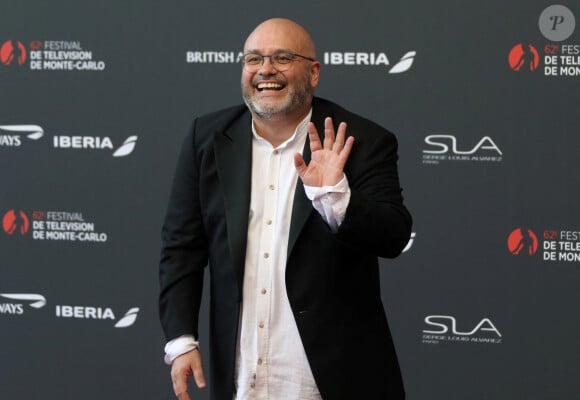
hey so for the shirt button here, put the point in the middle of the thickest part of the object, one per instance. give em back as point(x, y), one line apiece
point(261, 324)
point(266, 255)
point(275, 152)
point(263, 291)
point(271, 187)
point(259, 361)
point(269, 222)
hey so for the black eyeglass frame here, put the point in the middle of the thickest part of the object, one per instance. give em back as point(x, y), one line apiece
point(276, 63)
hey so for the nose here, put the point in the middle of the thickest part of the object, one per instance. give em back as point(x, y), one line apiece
point(267, 68)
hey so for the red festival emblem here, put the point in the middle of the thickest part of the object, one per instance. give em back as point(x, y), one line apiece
point(524, 57)
point(15, 221)
point(523, 240)
point(12, 52)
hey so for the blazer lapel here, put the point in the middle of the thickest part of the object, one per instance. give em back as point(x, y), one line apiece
point(233, 150)
point(302, 206)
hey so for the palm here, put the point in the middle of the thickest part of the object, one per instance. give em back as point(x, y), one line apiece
point(328, 159)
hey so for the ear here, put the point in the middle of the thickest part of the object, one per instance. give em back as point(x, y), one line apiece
point(314, 73)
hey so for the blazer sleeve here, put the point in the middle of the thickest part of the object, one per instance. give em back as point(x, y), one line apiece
point(184, 251)
point(376, 220)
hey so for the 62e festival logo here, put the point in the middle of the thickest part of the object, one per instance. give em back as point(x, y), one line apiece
point(49, 55)
point(557, 245)
point(52, 225)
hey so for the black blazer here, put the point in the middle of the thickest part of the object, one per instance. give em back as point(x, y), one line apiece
point(332, 279)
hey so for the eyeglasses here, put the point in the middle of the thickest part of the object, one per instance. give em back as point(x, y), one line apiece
point(280, 60)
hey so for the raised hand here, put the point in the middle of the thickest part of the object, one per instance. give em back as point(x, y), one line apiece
point(328, 159)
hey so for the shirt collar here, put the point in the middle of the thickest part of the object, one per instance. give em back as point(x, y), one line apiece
point(299, 133)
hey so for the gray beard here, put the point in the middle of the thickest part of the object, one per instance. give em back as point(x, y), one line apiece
point(295, 102)
point(297, 99)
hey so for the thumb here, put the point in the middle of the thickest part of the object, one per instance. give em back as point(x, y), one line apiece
point(199, 377)
point(299, 164)
point(197, 369)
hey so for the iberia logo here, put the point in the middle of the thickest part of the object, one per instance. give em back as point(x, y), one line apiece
point(15, 221)
point(524, 57)
point(522, 240)
point(12, 52)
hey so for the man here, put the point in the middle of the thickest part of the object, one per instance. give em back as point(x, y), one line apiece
point(291, 226)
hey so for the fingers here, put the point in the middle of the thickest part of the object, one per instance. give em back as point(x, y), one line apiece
point(337, 144)
point(340, 137)
point(183, 396)
point(314, 138)
point(179, 379)
point(198, 376)
point(328, 133)
point(186, 365)
point(331, 141)
point(345, 152)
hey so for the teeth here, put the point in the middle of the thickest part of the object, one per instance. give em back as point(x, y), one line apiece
point(269, 85)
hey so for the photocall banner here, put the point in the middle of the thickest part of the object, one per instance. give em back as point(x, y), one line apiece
point(483, 97)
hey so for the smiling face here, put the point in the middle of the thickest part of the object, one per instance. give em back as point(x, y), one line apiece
point(270, 93)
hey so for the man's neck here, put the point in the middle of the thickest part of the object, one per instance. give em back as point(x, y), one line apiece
point(277, 130)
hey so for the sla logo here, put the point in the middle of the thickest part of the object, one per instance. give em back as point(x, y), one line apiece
point(15, 221)
point(363, 58)
point(94, 142)
point(11, 136)
point(35, 301)
point(12, 52)
point(524, 57)
point(445, 148)
point(99, 313)
point(443, 328)
point(442, 141)
point(447, 324)
point(522, 239)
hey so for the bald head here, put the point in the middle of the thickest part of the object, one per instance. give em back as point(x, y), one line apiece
point(280, 34)
point(279, 91)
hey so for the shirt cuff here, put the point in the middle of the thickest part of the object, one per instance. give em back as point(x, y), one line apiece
point(178, 346)
point(331, 202)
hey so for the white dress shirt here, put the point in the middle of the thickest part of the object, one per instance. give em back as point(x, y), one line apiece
point(270, 360)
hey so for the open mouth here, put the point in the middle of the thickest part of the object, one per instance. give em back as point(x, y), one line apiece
point(269, 86)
